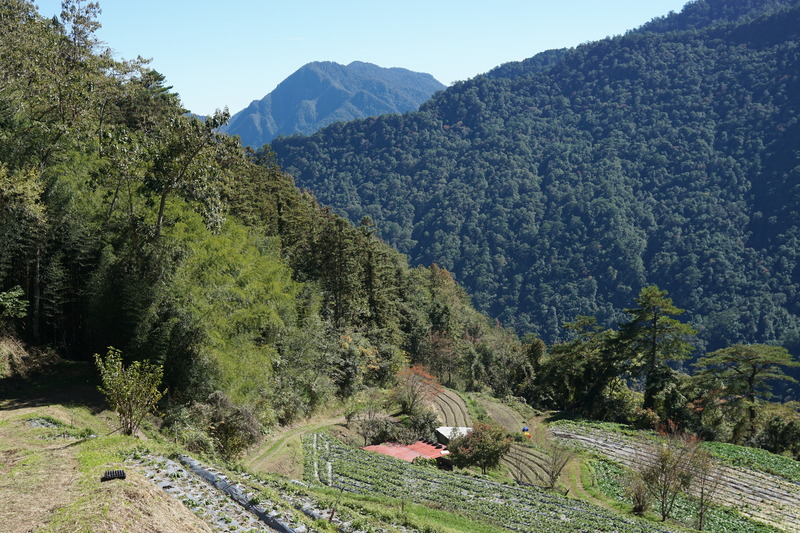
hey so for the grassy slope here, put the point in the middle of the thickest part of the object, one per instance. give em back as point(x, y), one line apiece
point(52, 483)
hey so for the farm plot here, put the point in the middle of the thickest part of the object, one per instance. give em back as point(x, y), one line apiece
point(452, 409)
point(208, 503)
point(512, 507)
point(761, 496)
point(756, 459)
point(504, 415)
point(525, 464)
point(610, 479)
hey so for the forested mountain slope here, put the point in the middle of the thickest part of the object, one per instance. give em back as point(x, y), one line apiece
point(667, 156)
point(323, 92)
point(125, 222)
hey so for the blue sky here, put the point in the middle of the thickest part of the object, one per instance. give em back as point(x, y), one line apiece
point(218, 54)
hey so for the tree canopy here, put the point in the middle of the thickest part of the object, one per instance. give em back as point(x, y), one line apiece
point(562, 185)
point(747, 372)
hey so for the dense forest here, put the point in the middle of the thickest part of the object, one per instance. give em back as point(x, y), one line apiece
point(323, 92)
point(562, 185)
point(126, 222)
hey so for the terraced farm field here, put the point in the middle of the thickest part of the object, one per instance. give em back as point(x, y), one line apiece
point(761, 496)
point(510, 507)
point(523, 462)
point(452, 409)
point(504, 415)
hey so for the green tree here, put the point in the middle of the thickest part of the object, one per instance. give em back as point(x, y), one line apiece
point(579, 374)
point(746, 371)
point(335, 254)
point(55, 76)
point(379, 281)
point(23, 221)
point(12, 305)
point(651, 337)
point(133, 391)
point(484, 446)
point(193, 159)
point(232, 427)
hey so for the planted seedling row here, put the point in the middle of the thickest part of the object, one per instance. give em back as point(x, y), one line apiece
point(515, 508)
point(756, 494)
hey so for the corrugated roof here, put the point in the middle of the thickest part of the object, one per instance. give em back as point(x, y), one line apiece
point(408, 452)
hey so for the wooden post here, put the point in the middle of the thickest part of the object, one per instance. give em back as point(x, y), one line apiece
point(330, 518)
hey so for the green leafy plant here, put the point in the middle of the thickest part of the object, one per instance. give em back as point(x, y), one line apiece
point(484, 446)
point(133, 391)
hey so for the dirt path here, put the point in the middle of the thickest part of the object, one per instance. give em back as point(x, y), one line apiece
point(282, 452)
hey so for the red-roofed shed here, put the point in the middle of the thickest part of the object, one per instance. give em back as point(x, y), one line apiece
point(409, 452)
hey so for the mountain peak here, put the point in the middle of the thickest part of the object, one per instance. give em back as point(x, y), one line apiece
point(322, 92)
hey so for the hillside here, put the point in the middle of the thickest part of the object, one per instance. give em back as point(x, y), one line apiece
point(150, 262)
point(63, 449)
point(665, 156)
point(324, 92)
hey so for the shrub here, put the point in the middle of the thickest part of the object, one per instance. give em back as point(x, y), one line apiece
point(644, 419)
point(132, 392)
point(636, 490)
point(423, 422)
point(234, 428)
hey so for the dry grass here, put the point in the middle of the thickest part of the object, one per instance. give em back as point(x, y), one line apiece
point(134, 504)
point(39, 476)
point(52, 484)
point(17, 361)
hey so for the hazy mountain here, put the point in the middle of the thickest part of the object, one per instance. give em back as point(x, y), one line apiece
point(321, 93)
point(560, 185)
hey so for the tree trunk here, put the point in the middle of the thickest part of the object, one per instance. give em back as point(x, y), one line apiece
point(36, 303)
point(161, 207)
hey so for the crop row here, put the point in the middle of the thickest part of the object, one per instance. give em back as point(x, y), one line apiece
point(756, 459)
point(753, 493)
point(609, 477)
point(453, 410)
point(512, 507)
point(730, 454)
point(525, 464)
